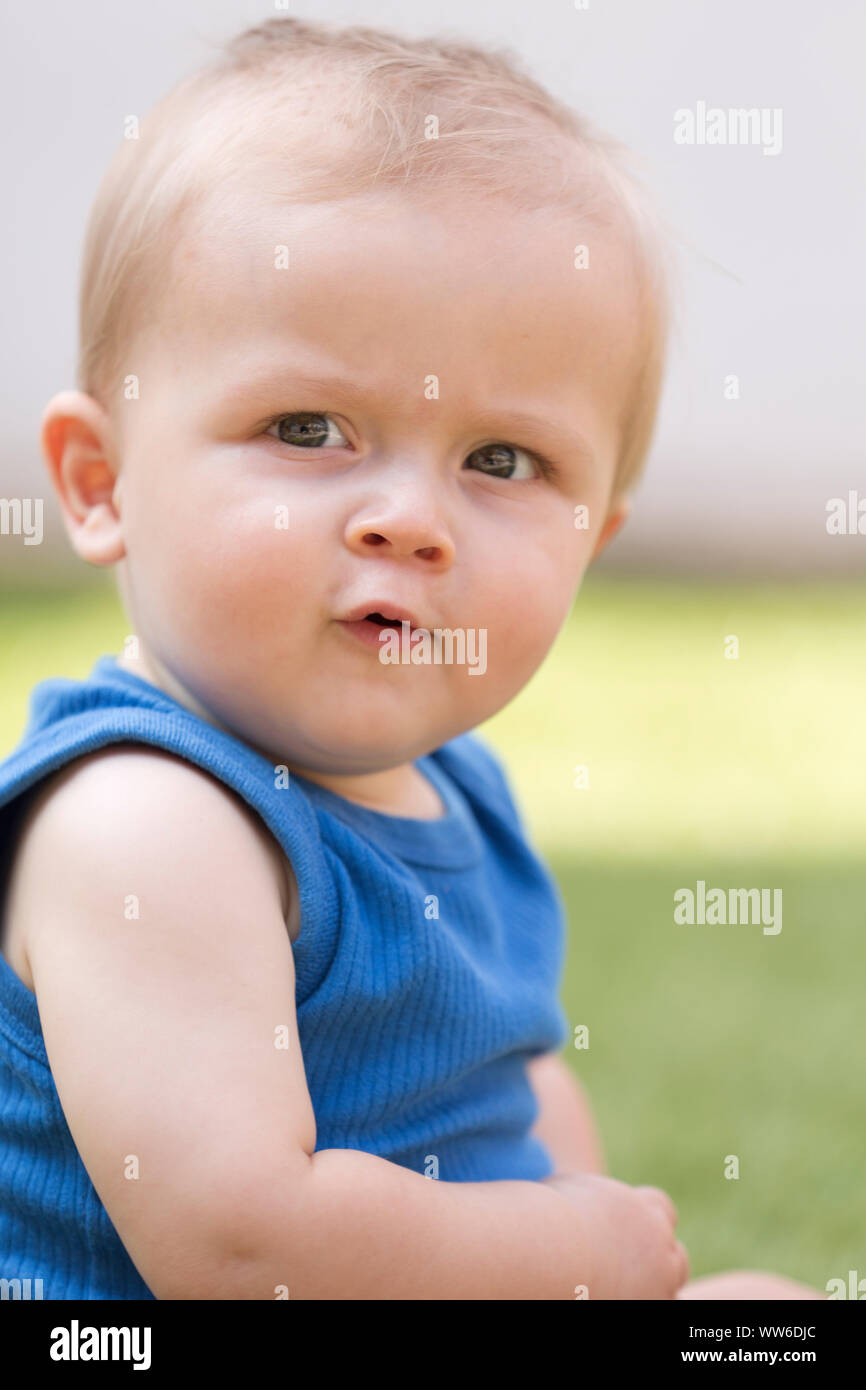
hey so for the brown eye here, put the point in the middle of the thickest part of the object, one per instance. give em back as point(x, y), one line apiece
point(502, 461)
point(306, 429)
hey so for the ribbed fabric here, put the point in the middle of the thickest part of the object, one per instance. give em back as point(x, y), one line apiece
point(427, 972)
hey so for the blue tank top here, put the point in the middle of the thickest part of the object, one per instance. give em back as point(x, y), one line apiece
point(427, 973)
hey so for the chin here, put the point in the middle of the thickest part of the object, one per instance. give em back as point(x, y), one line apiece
point(360, 741)
point(368, 753)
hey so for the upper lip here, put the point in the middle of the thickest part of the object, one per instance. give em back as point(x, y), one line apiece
point(393, 612)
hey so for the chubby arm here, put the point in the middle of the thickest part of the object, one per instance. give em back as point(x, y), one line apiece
point(197, 1131)
point(565, 1123)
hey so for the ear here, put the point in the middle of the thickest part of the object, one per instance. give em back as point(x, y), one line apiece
point(76, 440)
point(614, 522)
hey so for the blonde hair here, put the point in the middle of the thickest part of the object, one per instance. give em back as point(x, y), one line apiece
point(329, 113)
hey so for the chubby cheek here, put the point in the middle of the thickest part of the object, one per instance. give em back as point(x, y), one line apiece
point(528, 604)
point(223, 576)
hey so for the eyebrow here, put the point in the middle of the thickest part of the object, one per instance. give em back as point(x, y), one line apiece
point(267, 382)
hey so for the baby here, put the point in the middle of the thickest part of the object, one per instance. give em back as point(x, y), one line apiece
point(372, 335)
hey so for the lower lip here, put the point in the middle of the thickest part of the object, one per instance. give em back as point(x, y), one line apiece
point(368, 633)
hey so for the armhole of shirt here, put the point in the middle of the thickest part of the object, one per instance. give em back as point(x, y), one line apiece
point(12, 817)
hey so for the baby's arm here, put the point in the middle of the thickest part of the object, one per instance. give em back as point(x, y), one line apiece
point(197, 1131)
point(565, 1123)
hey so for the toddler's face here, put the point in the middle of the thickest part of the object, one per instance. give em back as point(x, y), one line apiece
point(433, 353)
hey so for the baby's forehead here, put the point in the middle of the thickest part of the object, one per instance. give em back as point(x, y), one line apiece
point(383, 249)
point(391, 295)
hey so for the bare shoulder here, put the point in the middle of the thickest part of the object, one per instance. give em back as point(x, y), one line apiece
point(131, 795)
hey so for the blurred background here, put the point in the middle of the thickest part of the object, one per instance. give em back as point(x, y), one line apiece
point(705, 1041)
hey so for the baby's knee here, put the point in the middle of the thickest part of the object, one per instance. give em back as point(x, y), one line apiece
point(747, 1284)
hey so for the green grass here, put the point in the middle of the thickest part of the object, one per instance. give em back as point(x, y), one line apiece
point(709, 1041)
point(705, 1041)
point(686, 749)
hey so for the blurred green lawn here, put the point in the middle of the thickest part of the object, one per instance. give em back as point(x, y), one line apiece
point(705, 1041)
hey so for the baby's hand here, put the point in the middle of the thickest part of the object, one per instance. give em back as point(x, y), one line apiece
point(633, 1253)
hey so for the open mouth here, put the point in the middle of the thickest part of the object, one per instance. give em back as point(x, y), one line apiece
point(368, 628)
point(381, 621)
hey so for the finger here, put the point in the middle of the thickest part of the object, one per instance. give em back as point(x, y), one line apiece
point(664, 1201)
